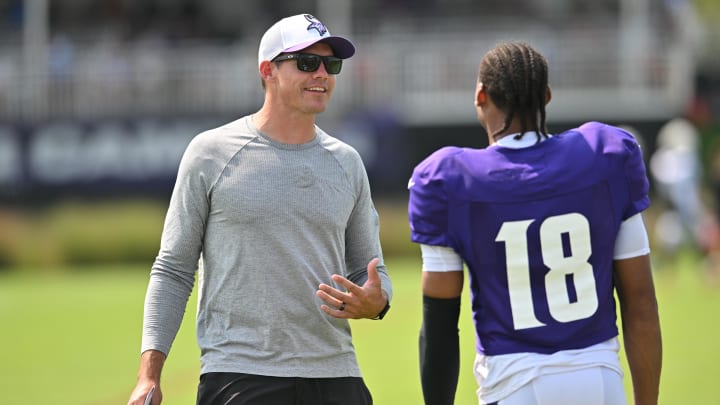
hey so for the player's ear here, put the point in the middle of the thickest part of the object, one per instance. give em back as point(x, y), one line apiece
point(548, 95)
point(480, 94)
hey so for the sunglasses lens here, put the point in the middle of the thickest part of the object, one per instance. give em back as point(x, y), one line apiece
point(333, 65)
point(308, 63)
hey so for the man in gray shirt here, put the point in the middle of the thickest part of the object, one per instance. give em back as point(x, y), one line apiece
point(280, 215)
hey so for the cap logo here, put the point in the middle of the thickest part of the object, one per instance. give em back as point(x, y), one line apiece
point(315, 24)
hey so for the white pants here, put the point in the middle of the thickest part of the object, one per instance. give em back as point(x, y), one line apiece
point(590, 386)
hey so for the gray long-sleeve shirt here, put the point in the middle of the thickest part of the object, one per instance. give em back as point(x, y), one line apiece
point(272, 221)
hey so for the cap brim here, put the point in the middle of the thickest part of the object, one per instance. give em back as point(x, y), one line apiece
point(342, 48)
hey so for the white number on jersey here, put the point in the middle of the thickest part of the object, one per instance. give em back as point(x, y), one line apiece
point(566, 271)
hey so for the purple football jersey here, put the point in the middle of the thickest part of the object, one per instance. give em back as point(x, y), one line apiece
point(536, 228)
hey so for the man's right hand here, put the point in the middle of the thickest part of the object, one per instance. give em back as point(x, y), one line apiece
point(151, 364)
point(142, 389)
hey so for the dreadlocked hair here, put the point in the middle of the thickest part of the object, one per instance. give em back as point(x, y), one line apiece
point(516, 78)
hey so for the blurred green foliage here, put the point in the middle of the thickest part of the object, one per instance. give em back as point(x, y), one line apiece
point(707, 6)
point(77, 232)
point(80, 232)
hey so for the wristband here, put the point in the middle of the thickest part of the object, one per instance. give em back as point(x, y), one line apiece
point(382, 313)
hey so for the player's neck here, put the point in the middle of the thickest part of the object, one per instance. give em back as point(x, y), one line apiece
point(494, 121)
point(512, 130)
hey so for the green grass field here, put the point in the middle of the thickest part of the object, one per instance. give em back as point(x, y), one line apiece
point(72, 337)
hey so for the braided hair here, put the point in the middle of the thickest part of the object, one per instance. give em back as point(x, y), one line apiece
point(516, 78)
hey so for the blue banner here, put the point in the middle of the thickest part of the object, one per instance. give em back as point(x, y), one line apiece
point(100, 158)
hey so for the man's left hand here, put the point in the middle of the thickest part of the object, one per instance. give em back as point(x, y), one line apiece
point(356, 302)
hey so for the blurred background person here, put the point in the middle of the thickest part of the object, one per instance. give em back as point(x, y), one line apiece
point(677, 171)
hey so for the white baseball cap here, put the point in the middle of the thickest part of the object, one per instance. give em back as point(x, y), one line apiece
point(298, 32)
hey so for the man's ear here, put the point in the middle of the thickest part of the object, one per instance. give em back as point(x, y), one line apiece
point(265, 70)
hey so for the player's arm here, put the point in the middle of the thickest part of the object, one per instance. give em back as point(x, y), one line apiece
point(439, 343)
point(641, 326)
point(639, 310)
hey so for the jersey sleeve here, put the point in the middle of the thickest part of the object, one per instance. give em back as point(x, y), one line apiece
point(428, 202)
point(636, 177)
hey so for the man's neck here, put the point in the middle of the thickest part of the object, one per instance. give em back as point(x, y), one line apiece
point(285, 128)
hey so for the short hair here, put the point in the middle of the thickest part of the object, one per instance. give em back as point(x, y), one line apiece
point(516, 78)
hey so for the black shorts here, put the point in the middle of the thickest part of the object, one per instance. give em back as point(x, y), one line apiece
point(249, 389)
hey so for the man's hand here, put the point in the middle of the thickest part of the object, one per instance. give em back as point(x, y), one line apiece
point(356, 302)
point(142, 389)
point(151, 364)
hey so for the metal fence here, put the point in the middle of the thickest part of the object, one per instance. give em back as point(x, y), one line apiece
point(425, 77)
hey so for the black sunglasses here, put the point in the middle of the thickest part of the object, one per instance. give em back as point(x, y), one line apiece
point(309, 62)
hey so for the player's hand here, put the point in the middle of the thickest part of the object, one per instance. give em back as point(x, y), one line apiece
point(355, 302)
point(141, 391)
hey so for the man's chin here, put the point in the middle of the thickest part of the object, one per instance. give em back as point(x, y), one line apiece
point(317, 109)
